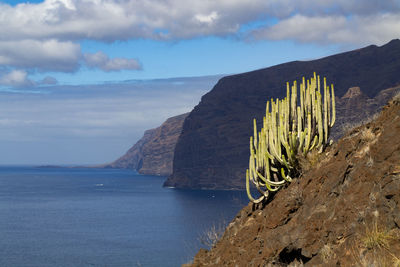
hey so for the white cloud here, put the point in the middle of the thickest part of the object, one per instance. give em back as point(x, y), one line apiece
point(19, 78)
point(43, 55)
point(335, 29)
point(15, 78)
point(103, 62)
point(208, 19)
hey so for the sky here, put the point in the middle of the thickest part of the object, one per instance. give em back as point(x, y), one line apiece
point(81, 80)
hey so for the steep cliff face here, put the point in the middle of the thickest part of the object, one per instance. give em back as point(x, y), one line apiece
point(345, 211)
point(153, 153)
point(356, 108)
point(212, 151)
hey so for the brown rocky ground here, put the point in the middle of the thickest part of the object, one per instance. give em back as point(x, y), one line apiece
point(343, 211)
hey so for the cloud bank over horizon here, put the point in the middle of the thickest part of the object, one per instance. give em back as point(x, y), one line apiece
point(47, 36)
point(90, 124)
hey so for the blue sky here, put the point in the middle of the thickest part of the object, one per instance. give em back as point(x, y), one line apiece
point(57, 52)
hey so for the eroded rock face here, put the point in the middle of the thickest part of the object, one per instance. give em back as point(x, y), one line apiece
point(324, 217)
point(356, 108)
point(153, 153)
point(212, 151)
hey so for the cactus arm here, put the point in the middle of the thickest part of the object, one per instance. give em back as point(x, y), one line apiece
point(314, 143)
point(308, 135)
point(254, 200)
point(255, 132)
point(286, 177)
point(269, 182)
point(325, 112)
point(302, 95)
point(333, 108)
point(301, 141)
point(319, 121)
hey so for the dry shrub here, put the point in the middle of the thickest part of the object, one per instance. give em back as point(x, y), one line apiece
point(211, 236)
point(376, 238)
point(396, 98)
point(367, 134)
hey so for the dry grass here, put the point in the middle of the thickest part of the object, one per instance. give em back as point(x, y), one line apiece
point(376, 238)
point(368, 137)
point(396, 261)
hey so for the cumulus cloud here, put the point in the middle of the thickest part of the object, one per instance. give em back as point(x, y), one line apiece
point(103, 62)
point(334, 29)
point(19, 78)
point(42, 55)
point(15, 78)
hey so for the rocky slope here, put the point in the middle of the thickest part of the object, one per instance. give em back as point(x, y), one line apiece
point(212, 151)
point(344, 211)
point(153, 153)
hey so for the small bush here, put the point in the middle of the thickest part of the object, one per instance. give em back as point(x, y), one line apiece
point(211, 236)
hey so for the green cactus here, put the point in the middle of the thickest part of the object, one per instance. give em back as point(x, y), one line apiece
point(289, 129)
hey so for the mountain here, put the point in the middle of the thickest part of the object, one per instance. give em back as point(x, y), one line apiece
point(212, 151)
point(344, 211)
point(153, 153)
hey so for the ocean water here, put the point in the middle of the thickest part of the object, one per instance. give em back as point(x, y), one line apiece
point(103, 217)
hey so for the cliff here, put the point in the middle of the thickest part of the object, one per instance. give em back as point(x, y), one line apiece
point(153, 153)
point(212, 151)
point(356, 108)
point(344, 211)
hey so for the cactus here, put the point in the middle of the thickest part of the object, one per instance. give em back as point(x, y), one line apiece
point(289, 129)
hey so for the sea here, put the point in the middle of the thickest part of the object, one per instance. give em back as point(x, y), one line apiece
point(61, 216)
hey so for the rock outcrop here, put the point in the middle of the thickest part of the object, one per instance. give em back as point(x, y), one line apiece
point(153, 153)
point(345, 211)
point(212, 151)
point(355, 108)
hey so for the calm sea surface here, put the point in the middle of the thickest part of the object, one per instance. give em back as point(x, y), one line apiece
point(103, 217)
